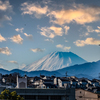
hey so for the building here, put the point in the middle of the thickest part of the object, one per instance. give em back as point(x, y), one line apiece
point(21, 82)
point(46, 94)
point(81, 94)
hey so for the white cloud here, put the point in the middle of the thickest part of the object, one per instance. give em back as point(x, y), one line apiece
point(15, 62)
point(17, 39)
point(28, 35)
point(88, 41)
point(5, 10)
point(57, 30)
point(19, 30)
point(66, 29)
point(51, 32)
point(79, 13)
point(5, 5)
point(46, 1)
point(5, 17)
point(49, 40)
point(59, 46)
point(90, 29)
point(45, 31)
point(10, 24)
point(2, 38)
point(85, 34)
point(37, 50)
point(97, 30)
point(65, 48)
point(5, 50)
point(98, 27)
point(32, 8)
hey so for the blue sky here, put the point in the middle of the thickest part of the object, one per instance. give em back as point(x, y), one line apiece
point(31, 29)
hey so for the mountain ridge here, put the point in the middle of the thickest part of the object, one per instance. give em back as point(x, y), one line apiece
point(54, 61)
point(88, 70)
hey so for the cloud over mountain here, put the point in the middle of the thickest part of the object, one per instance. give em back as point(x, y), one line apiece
point(65, 48)
point(15, 62)
point(37, 50)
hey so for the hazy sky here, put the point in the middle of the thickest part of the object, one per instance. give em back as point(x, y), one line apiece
point(31, 29)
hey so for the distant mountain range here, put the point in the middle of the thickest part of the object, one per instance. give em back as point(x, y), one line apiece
point(32, 73)
point(55, 61)
point(90, 69)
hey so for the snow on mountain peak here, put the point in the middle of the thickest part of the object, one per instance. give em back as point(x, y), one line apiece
point(54, 61)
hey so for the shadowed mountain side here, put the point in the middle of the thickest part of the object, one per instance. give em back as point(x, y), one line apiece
point(32, 73)
point(90, 69)
point(4, 71)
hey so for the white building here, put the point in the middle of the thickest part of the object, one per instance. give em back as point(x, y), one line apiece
point(21, 82)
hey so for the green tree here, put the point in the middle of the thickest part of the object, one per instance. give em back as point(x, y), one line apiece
point(13, 95)
point(20, 98)
point(6, 94)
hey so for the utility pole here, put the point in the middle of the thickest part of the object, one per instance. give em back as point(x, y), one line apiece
point(99, 76)
point(66, 74)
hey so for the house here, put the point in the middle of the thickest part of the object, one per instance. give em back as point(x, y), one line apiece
point(73, 81)
point(47, 81)
point(55, 81)
point(21, 82)
point(4, 79)
point(42, 76)
point(95, 82)
point(81, 94)
point(83, 81)
point(63, 82)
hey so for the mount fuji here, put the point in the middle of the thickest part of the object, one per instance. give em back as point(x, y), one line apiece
point(55, 61)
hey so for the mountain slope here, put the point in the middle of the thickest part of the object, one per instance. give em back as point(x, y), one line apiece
point(90, 69)
point(32, 73)
point(54, 61)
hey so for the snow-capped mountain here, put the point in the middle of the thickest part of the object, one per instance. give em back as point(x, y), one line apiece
point(54, 61)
